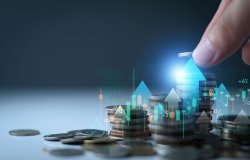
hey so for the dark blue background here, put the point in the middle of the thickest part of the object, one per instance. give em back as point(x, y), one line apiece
point(95, 43)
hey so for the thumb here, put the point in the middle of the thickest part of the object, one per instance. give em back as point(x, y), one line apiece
point(226, 35)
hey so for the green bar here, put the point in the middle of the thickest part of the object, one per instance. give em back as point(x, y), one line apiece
point(178, 115)
point(243, 94)
point(194, 102)
point(128, 111)
point(156, 113)
point(133, 101)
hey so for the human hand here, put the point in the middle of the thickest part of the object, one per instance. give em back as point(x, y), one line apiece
point(229, 28)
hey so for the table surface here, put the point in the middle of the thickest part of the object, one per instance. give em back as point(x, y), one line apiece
point(50, 111)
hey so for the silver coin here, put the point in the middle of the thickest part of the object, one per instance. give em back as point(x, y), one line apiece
point(164, 139)
point(129, 127)
point(66, 152)
point(71, 141)
point(137, 121)
point(235, 131)
point(92, 132)
point(134, 135)
point(239, 127)
point(113, 109)
point(103, 140)
point(188, 152)
point(185, 54)
point(131, 138)
point(24, 132)
point(128, 132)
point(227, 119)
point(167, 122)
point(113, 151)
point(157, 98)
point(171, 131)
point(86, 137)
point(57, 137)
point(136, 143)
point(132, 115)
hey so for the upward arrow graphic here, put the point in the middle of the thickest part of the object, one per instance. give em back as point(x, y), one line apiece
point(173, 100)
point(192, 75)
point(242, 118)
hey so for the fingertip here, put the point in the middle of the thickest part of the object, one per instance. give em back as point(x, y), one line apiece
point(246, 53)
point(204, 53)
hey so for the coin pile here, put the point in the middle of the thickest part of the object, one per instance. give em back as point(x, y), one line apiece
point(128, 122)
point(203, 114)
point(234, 128)
point(79, 137)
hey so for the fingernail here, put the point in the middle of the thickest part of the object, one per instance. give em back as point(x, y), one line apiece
point(204, 53)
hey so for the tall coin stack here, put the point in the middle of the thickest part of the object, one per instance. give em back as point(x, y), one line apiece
point(128, 123)
point(203, 114)
point(235, 128)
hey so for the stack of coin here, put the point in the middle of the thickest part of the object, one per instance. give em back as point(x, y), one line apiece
point(230, 128)
point(78, 137)
point(128, 122)
point(205, 101)
point(203, 114)
point(171, 132)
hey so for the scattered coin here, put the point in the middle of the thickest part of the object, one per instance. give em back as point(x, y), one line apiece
point(92, 132)
point(24, 132)
point(57, 137)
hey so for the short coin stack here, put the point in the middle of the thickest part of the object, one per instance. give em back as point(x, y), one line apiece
point(234, 128)
point(168, 132)
point(128, 122)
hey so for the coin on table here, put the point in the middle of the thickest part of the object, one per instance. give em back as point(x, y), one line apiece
point(101, 140)
point(24, 132)
point(113, 151)
point(66, 152)
point(95, 132)
point(72, 141)
point(57, 137)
